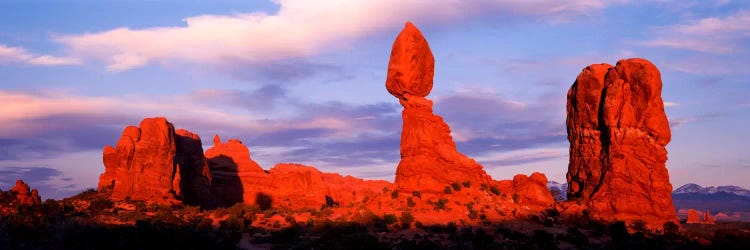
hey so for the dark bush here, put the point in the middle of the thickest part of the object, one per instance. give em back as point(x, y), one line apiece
point(494, 190)
point(456, 187)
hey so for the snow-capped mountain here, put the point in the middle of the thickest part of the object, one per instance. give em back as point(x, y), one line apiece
point(561, 188)
point(692, 188)
point(731, 200)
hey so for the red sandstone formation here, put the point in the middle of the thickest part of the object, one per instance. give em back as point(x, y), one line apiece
point(25, 195)
point(433, 181)
point(533, 191)
point(698, 217)
point(146, 164)
point(299, 186)
point(693, 217)
point(429, 159)
point(618, 132)
point(193, 178)
point(235, 176)
point(707, 218)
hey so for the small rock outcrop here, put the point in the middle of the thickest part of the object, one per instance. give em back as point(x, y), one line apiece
point(429, 159)
point(693, 217)
point(299, 186)
point(148, 164)
point(698, 217)
point(707, 218)
point(24, 195)
point(618, 132)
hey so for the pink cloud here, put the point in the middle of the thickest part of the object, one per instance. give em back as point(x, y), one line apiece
point(299, 29)
point(21, 55)
point(21, 111)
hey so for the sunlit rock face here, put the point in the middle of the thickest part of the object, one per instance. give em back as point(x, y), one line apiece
point(24, 195)
point(618, 132)
point(154, 163)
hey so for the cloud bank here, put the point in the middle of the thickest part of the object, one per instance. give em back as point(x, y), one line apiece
point(299, 29)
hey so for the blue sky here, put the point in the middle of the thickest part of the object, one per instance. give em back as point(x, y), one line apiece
point(303, 81)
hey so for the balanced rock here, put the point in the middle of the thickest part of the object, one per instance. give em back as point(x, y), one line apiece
point(618, 131)
point(429, 159)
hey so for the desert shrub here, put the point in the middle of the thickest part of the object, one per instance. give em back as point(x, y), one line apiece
point(619, 232)
point(670, 228)
point(576, 237)
point(441, 204)
point(495, 191)
point(417, 194)
point(140, 206)
point(406, 219)
point(99, 204)
point(447, 190)
point(290, 219)
point(205, 224)
point(543, 240)
point(470, 205)
point(410, 202)
point(456, 187)
point(639, 226)
point(389, 219)
point(451, 227)
point(467, 184)
point(220, 212)
point(473, 214)
point(394, 194)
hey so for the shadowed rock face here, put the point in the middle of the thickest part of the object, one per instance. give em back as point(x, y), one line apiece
point(148, 164)
point(618, 132)
point(194, 180)
point(234, 173)
point(429, 159)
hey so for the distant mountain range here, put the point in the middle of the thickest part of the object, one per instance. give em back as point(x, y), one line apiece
point(730, 203)
point(692, 190)
point(561, 188)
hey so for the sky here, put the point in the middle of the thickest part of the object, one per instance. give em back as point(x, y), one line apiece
point(303, 81)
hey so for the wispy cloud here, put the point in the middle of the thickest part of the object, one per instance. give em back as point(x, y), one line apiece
point(20, 55)
point(671, 104)
point(299, 29)
point(721, 34)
